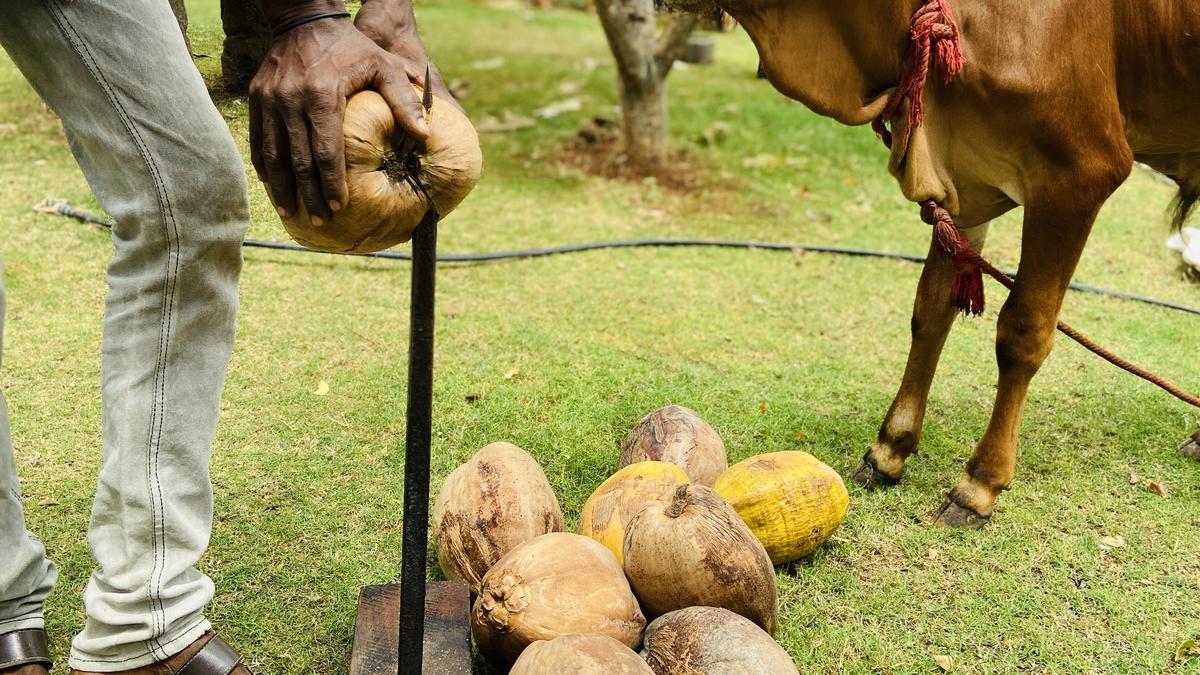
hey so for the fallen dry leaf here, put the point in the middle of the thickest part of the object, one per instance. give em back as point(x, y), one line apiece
point(322, 388)
point(512, 374)
point(48, 502)
point(559, 107)
point(1112, 541)
point(762, 407)
point(1184, 650)
point(944, 662)
point(1134, 479)
point(1157, 488)
point(932, 554)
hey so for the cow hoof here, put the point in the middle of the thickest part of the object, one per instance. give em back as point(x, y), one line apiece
point(951, 514)
point(869, 478)
point(1190, 449)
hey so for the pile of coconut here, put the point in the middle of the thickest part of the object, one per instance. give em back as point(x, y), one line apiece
point(676, 538)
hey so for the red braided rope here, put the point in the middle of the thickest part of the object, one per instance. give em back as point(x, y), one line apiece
point(933, 30)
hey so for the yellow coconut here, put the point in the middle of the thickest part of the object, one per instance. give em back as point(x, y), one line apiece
point(618, 500)
point(678, 435)
point(791, 500)
point(393, 180)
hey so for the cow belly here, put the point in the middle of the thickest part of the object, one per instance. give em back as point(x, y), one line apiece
point(1158, 74)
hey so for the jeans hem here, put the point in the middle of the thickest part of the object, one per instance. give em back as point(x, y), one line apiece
point(142, 653)
point(23, 623)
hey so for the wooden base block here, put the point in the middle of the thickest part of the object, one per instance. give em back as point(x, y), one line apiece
point(447, 630)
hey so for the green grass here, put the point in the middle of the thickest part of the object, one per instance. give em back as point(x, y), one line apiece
point(778, 351)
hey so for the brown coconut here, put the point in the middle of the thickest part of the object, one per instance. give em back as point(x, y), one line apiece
point(580, 655)
point(695, 550)
point(678, 435)
point(487, 506)
point(393, 179)
point(712, 641)
point(557, 584)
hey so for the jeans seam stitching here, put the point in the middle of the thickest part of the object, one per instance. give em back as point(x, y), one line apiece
point(166, 215)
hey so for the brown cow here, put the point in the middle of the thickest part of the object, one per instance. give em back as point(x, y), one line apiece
point(1056, 101)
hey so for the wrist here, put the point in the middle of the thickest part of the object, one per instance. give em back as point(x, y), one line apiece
point(280, 13)
point(389, 23)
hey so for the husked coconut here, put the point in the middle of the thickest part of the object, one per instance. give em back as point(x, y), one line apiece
point(678, 435)
point(487, 506)
point(579, 655)
point(791, 500)
point(618, 500)
point(393, 180)
point(557, 584)
point(695, 550)
point(712, 641)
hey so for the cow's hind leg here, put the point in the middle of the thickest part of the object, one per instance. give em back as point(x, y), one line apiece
point(1055, 230)
point(932, 318)
point(1191, 447)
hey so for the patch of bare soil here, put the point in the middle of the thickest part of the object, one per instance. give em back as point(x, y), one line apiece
point(597, 151)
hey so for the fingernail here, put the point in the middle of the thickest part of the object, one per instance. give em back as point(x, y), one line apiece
point(335, 205)
point(422, 126)
point(281, 211)
point(318, 221)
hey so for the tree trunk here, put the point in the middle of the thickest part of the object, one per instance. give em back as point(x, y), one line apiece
point(643, 62)
point(247, 37)
point(180, 11)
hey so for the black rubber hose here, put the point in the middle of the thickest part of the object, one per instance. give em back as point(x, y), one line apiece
point(64, 209)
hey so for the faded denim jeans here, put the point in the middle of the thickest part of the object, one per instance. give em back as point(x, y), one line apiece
point(161, 161)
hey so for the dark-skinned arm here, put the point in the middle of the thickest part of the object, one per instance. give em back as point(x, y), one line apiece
point(392, 26)
point(298, 99)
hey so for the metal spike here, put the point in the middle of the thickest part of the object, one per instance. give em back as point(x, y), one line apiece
point(427, 99)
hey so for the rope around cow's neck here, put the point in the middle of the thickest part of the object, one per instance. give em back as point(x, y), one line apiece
point(935, 30)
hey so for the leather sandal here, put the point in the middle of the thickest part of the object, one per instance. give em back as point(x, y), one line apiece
point(24, 652)
point(209, 655)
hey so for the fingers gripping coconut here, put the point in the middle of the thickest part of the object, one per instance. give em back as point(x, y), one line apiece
point(392, 177)
point(352, 153)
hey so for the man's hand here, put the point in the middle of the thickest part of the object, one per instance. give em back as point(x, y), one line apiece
point(298, 99)
point(392, 26)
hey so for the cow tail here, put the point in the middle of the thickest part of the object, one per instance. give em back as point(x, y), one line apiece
point(1189, 194)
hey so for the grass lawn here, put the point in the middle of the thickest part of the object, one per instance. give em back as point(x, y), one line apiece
point(777, 351)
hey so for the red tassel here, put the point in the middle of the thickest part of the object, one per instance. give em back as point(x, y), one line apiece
point(966, 294)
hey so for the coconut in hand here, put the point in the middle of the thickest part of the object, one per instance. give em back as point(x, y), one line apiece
point(393, 179)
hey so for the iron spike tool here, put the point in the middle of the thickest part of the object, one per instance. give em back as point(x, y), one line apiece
point(405, 630)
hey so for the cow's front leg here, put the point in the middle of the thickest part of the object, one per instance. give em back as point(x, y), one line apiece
point(1053, 237)
point(932, 318)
